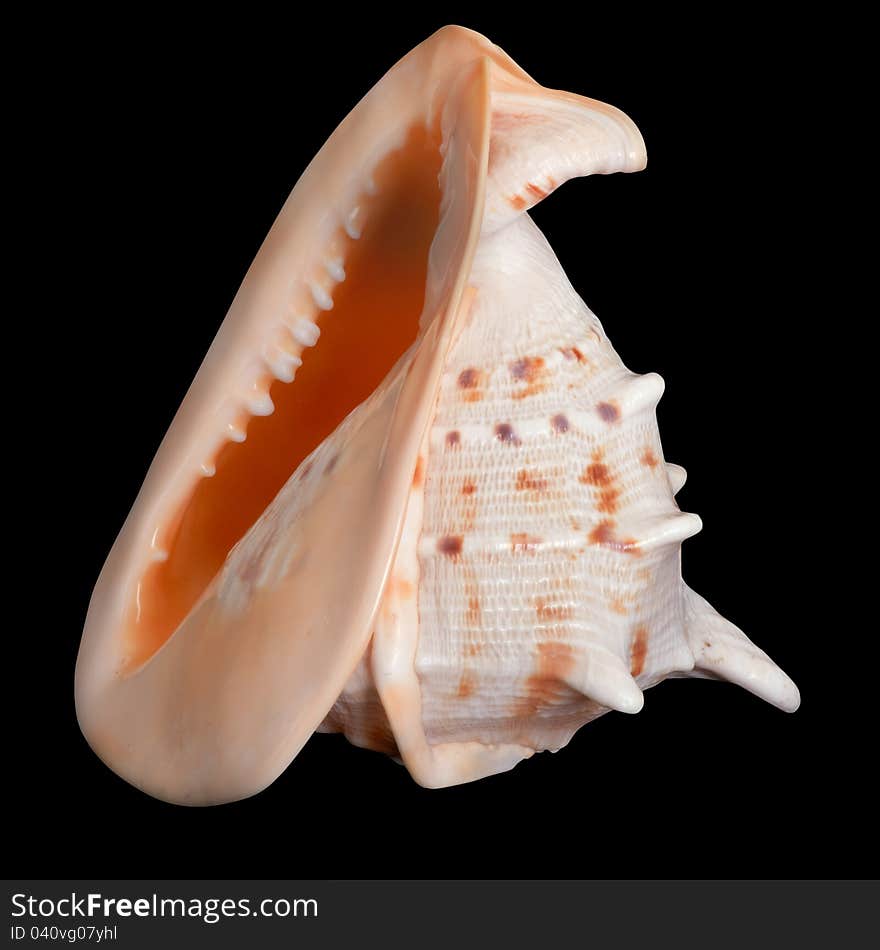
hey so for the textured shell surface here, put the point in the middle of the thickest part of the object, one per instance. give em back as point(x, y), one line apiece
point(413, 494)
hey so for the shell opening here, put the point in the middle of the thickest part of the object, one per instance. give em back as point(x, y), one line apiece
point(374, 319)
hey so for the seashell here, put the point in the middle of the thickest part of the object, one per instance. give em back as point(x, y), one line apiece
point(412, 495)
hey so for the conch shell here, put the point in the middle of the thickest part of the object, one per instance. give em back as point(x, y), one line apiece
point(412, 494)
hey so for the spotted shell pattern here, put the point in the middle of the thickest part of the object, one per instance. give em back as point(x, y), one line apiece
point(549, 587)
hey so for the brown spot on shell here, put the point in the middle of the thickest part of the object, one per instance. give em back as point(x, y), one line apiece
point(603, 535)
point(402, 588)
point(466, 684)
point(547, 611)
point(465, 511)
point(453, 439)
point(555, 658)
point(469, 381)
point(608, 499)
point(618, 606)
point(528, 370)
point(573, 353)
point(649, 458)
point(474, 613)
point(597, 474)
point(546, 686)
point(307, 470)
point(529, 481)
point(560, 423)
point(521, 541)
point(517, 202)
point(450, 545)
point(331, 465)
point(504, 433)
point(639, 649)
point(536, 191)
point(473, 649)
point(419, 473)
point(608, 412)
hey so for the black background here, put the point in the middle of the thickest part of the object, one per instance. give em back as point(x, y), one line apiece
point(170, 149)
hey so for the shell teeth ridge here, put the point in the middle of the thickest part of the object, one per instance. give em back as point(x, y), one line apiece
point(352, 226)
point(235, 432)
point(281, 363)
point(158, 552)
point(321, 296)
point(260, 404)
point(304, 331)
point(335, 269)
point(282, 357)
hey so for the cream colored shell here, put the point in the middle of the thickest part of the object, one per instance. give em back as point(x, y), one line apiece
point(484, 554)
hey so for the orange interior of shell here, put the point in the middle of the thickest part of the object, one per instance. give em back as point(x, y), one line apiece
point(375, 317)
